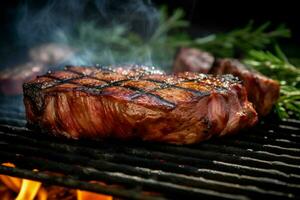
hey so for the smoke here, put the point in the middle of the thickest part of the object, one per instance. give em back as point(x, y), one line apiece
point(38, 25)
point(99, 31)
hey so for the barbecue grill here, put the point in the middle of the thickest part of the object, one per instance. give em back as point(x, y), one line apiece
point(262, 162)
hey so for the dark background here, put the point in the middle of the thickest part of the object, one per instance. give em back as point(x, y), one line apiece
point(204, 16)
point(230, 14)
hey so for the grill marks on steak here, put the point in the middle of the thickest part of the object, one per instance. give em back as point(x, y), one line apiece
point(136, 102)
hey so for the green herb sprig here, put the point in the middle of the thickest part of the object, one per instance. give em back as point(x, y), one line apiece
point(278, 67)
point(239, 42)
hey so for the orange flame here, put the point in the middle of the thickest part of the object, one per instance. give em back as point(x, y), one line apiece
point(29, 190)
point(12, 183)
point(26, 189)
point(84, 195)
point(33, 190)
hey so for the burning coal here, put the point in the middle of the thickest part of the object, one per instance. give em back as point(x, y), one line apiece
point(23, 189)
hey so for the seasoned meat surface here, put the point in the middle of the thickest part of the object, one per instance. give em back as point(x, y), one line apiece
point(137, 102)
point(262, 91)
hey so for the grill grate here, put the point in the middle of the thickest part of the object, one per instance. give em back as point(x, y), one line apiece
point(263, 162)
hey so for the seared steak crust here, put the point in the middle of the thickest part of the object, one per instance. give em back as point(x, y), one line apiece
point(136, 102)
point(262, 91)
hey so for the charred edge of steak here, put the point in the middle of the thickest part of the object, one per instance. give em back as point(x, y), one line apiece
point(262, 91)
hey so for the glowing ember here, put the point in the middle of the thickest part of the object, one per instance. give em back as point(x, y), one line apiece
point(33, 190)
point(13, 184)
point(83, 195)
point(29, 190)
point(26, 189)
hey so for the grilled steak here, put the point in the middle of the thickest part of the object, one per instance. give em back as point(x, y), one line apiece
point(135, 102)
point(262, 91)
point(195, 60)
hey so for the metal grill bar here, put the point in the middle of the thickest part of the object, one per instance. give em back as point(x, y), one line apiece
point(73, 183)
point(261, 162)
point(71, 159)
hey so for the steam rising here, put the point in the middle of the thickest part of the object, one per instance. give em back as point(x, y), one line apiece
point(99, 31)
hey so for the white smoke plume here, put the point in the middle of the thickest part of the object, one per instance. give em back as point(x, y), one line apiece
point(99, 31)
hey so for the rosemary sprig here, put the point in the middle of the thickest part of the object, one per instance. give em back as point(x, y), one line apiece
point(238, 42)
point(275, 66)
point(278, 67)
point(167, 24)
point(289, 102)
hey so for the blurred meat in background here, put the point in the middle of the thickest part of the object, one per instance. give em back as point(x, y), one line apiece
point(40, 59)
point(191, 59)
